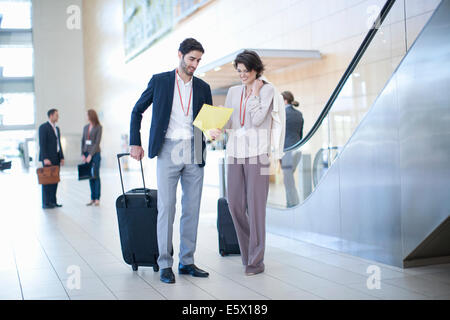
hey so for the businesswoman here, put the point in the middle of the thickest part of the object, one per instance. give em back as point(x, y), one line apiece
point(247, 150)
point(90, 150)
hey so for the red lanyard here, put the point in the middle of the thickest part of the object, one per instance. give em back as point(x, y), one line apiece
point(245, 108)
point(181, 100)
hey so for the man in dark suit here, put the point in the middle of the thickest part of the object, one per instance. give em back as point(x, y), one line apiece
point(50, 153)
point(177, 97)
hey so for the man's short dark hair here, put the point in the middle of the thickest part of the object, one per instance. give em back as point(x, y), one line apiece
point(51, 111)
point(251, 60)
point(190, 44)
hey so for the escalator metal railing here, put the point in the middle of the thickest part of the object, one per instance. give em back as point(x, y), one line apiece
point(355, 92)
point(351, 68)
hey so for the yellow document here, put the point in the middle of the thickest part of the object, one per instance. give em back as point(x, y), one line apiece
point(211, 117)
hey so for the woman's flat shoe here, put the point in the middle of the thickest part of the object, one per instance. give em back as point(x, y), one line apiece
point(252, 273)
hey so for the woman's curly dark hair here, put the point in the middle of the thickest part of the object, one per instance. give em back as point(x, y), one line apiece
point(251, 60)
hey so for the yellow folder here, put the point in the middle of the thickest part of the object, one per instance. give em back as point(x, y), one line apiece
point(211, 117)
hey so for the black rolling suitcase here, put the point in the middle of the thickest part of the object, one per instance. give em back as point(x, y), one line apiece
point(228, 241)
point(137, 215)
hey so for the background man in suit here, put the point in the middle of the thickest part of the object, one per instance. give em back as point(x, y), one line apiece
point(177, 97)
point(50, 153)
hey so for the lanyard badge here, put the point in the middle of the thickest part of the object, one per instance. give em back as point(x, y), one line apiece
point(242, 118)
point(181, 100)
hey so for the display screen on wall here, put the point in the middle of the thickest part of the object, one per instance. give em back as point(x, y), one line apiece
point(146, 21)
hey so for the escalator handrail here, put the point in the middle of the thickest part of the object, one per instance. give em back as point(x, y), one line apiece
point(359, 54)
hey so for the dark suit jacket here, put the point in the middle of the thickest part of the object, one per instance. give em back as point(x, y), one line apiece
point(160, 91)
point(95, 136)
point(294, 126)
point(48, 144)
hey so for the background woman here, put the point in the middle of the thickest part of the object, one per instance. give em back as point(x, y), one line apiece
point(289, 162)
point(90, 150)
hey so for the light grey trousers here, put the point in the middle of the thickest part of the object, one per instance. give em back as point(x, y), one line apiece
point(289, 164)
point(248, 188)
point(174, 163)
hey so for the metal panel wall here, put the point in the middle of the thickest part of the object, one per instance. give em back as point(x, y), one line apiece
point(424, 105)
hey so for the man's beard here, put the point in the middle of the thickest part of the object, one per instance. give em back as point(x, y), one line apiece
point(183, 66)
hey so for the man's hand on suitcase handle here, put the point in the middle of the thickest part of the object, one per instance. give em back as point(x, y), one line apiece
point(137, 152)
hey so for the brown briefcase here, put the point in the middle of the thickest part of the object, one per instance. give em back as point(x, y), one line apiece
point(48, 175)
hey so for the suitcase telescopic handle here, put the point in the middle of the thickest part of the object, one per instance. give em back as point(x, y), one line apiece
point(120, 155)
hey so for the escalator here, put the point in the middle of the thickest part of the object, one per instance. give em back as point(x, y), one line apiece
point(374, 176)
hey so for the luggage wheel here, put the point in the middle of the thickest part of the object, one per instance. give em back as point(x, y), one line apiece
point(156, 268)
point(134, 267)
point(222, 253)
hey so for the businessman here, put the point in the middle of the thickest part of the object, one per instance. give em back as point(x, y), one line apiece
point(51, 154)
point(177, 97)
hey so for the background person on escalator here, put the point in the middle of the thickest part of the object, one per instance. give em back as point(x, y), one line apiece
point(294, 133)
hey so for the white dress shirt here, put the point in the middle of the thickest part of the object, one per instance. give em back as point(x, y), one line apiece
point(180, 125)
point(56, 134)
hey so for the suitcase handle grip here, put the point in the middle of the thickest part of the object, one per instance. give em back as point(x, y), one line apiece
point(120, 155)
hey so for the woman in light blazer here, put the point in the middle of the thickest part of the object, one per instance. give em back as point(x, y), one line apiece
point(248, 149)
point(90, 150)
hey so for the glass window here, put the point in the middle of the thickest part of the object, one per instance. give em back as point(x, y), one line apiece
point(10, 142)
point(17, 109)
point(16, 62)
point(15, 145)
point(15, 14)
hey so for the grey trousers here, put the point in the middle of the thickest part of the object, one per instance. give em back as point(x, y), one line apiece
point(248, 188)
point(174, 163)
point(289, 164)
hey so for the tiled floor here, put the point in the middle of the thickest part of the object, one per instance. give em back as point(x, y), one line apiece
point(42, 250)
